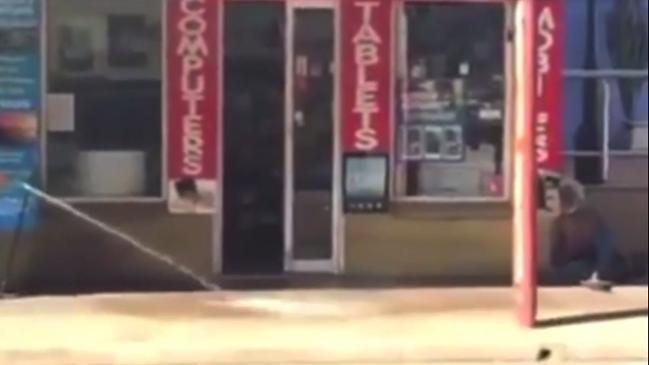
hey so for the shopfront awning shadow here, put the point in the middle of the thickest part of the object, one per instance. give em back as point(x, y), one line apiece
point(69, 256)
point(592, 318)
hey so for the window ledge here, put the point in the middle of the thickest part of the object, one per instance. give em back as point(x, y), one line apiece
point(113, 200)
point(451, 210)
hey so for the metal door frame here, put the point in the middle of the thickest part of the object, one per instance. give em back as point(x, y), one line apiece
point(335, 263)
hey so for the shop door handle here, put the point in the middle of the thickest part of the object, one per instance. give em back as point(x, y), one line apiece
point(298, 118)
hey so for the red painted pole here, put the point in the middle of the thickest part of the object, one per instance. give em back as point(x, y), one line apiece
point(525, 172)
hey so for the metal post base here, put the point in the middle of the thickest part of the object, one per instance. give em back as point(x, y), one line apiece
point(12, 249)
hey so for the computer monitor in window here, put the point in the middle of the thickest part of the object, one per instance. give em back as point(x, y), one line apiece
point(366, 183)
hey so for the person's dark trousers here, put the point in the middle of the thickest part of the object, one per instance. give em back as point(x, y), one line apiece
point(601, 257)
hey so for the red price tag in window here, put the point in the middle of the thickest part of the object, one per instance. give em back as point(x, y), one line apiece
point(492, 184)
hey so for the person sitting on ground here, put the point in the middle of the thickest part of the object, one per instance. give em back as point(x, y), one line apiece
point(582, 244)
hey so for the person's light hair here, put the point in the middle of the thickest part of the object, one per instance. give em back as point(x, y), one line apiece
point(573, 187)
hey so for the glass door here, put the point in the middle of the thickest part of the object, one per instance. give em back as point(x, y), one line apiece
point(253, 137)
point(310, 129)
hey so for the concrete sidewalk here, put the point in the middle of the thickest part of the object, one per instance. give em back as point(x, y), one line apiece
point(415, 326)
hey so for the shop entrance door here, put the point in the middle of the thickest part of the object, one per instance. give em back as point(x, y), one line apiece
point(278, 136)
point(310, 143)
point(252, 232)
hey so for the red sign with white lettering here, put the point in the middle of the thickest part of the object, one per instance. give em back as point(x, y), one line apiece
point(191, 99)
point(365, 75)
point(549, 97)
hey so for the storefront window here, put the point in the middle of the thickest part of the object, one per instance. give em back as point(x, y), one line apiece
point(451, 100)
point(104, 123)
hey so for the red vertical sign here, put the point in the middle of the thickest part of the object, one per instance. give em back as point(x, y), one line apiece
point(192, 103)
point(366, 74)
point(549, 84)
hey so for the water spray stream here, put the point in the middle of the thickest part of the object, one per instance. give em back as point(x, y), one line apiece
point(204, 282)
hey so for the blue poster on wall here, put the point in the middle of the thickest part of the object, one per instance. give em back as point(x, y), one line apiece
point(20, 108)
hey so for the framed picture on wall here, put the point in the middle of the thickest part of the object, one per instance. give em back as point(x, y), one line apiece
point(75, 48)
point(128, 41)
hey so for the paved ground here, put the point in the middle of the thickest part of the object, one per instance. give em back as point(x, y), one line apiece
point(412, 326)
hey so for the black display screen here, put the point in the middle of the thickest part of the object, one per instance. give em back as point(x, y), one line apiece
point(366, 183)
